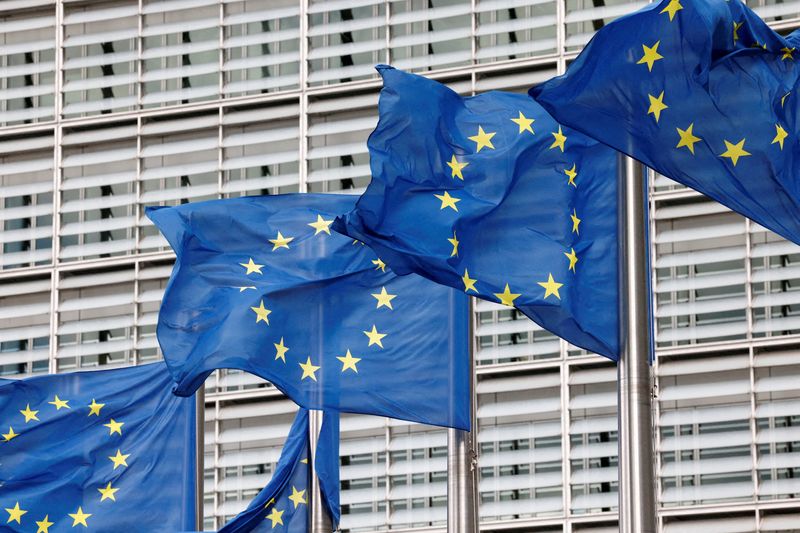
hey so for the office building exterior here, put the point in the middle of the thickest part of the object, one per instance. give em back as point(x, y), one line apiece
point(108, 107)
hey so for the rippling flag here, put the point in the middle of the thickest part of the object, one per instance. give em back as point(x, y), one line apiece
point(263, 285)
point(97, 450)
point(283, 503)
point(492, 196)
point(705, 93)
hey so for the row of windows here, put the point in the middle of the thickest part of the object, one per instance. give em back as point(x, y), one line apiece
point(118, 56)
point(727, 432)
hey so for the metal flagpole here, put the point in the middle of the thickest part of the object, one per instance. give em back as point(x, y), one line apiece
point(462, 462)
point(199, 450)
point(320, 521)
point(637, 487)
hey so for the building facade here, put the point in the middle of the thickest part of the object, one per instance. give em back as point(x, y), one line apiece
point(109, 106)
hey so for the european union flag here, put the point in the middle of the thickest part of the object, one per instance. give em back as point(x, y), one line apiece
point(261, 284)
point(705, 93)
point(97, 450)
point(490, 195)
point(285, 500)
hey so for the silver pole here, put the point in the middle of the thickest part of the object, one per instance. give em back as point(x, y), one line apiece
point(199, 450)
point(462, 463)
point(319, 522)
point(637, 487)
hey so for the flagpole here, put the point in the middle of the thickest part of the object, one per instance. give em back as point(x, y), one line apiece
point(462, 462)
point(320, 521)
point(637, 487)
point(199, 450)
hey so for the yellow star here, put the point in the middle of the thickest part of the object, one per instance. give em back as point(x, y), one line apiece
point(107, 493)
point(10, 435)
point(687, 138)
point(483, 139)
point(524, 123)
point(298, 497)
point(379, 264)
point(469, 283)
point(575, 222)
point(308, 370)
point(320, 225)
point(262, 313)
point(79, 517)
point(270, 502)
point(787, 53)
point(375, 337)
point(673, 7)
point(280, 242)
point(507, 297)
point(736, 26)
point(384, 298)
point(456, 168)
point(119, 459)
point(650, 56)
point(280, 350)
point(734, 151)
point(783, 98)
point(44, 525)
point(242, 289)
point(551, 287)
point(560, 139)
point(448, 201)
point(348, 361)
point(780, 135)
point(15, 514)
point(276, 517)
point(573, 258)
point(59, 403)
point(454, 242)
point(252, 267)
point(28, 414)
point(572, 173)
point(657, 105)
point(94, 408)
point(114, 427)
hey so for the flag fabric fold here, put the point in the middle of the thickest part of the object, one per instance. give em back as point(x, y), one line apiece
point(263, 285)
point(705, 93)
point(284, 503)
point(96, 450)
point(492, 196)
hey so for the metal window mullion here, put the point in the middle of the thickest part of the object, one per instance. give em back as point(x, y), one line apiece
point(302, 163)
point(651, 178)
point(387, 431)
point(561, 31)
point(139, 60)
point(566, 470)
point(748, 286)
point(220, 150)
point(137, 186)
point(217, 480)
point(473, 38)
point(58, 58)
point(135, 329)
point(753, 423)
point(221, 52)
point(388, 33)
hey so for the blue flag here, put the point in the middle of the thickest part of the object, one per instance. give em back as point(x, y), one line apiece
point(97, 450)
point(490, 195)
point(262, 284)
point(283, 503)
point(705, 93)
